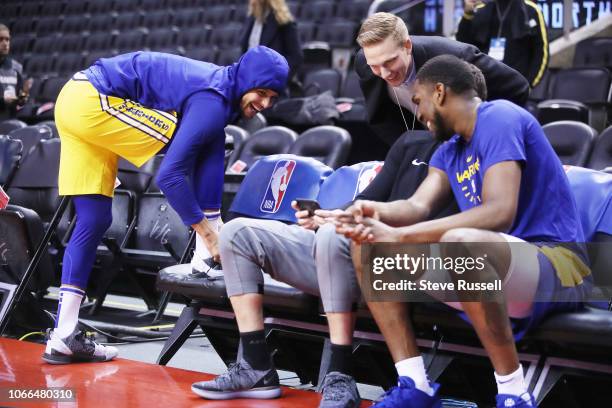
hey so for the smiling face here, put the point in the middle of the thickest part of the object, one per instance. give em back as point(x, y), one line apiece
point(429, 98)
point(389, 60)
point(257, 100)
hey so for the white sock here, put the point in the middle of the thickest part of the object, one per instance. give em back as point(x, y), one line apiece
point(201, 252)
point(414, 368)
point(68, 310)
point(511, 384)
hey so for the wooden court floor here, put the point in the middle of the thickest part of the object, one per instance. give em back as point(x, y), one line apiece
point(118, 383)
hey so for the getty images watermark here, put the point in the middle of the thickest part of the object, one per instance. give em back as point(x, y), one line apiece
point(456, 272)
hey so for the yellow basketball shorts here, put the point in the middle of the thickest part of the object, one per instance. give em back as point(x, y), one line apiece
point(97, 129)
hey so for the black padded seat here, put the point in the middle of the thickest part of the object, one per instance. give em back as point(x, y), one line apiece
point(571, 140)
point(328, 144)
point(280, 299)
point(601, 156)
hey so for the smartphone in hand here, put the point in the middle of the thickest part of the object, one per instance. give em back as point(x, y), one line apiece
point(305, 204)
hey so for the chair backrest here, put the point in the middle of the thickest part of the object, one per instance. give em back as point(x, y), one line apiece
point(594, 52)
point(586, 85)
point(572, 141)
point(6, 126)
point(31, 135)
point(35, 183)
point(330, 145)
point(254, 124)
point(265, 142)
point(601, 156)
point(322, 80)
point(274, 181)
point(338, 33)
point(123, 214)
point(10, 154)
point(351, 87)
point(158, 222)
point(136, 179)
point(343, 185)
point(319, 10)
point(234, 139)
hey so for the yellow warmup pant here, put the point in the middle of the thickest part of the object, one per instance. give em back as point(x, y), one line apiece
point(97, 129)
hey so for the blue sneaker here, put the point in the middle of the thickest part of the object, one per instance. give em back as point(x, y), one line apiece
point(406, 395)
point(523, 401)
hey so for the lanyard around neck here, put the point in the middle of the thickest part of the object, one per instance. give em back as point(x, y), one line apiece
point(501, 16)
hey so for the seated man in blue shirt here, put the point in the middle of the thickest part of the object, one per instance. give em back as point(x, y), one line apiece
point(513, 195)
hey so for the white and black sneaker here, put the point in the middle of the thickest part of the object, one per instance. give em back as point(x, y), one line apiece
point(240, 381)
point(76, 348)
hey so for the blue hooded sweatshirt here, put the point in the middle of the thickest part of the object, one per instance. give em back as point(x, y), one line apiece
point(206, 98)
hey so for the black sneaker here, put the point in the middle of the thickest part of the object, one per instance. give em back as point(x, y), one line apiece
point(240, 381)
point(77, 347)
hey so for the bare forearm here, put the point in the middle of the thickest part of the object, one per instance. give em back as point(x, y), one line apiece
point(402, 213)
point(488, 217)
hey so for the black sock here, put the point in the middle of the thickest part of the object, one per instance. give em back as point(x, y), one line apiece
point(255, 350)
point(341, 359)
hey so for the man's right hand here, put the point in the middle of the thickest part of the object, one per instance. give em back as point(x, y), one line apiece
point(470, 5)
point(210, 237)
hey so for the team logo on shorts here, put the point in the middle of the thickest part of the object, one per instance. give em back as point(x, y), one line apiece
point(279, 181)
point(366, 175)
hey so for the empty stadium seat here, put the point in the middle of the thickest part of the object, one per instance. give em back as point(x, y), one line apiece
point(338, 33)
point(23, 26)
point(185, 18)
point(75, 7)
point(52, 8)
point(540, 92)
point(322, 80)
point(601, 156)
point(98, 41)
point(351, 88)
point(318, 11)
point(317, 55)
point(307, 31)
point(30, 136)
point(229, 55)
point(29, 9)
point(226, 36)
point(99, 7)
point(127, 21)
point(52, 88)
point(69, 43)
point(572, 141)
point(10, 154)
point(39, 65)
point(194, 37)
point(132, 178)
point(150, 5)
point(131, 40)
point(218, 15)
point(161, 38)
point(353, 10)
point(594, 52)
point(48, 25)
point(234, 139)
point(157, 19)
point(45, 45)
point(96, 55)
point(21, 44)
point(75, 24)
point(7, 126)
point(590, 86)
point(265, 142)
point(253, 124)
point(328, 144)
point(101, 22)
point(207, 53)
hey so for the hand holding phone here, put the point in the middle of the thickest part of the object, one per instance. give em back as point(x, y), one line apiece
point(305, 204)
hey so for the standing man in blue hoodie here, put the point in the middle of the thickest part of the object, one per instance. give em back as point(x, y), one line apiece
point(134, 106)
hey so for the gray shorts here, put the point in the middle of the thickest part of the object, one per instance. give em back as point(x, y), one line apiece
point(316, 263)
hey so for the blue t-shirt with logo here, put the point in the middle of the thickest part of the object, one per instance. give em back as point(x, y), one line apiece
point(505, 132)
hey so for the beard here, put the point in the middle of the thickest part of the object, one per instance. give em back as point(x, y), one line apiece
point(442, 132)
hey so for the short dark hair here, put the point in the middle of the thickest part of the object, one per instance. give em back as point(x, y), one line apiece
point(451, 71)
point(481, 83)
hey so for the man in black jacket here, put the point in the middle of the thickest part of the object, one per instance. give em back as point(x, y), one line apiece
point(511, 30)
point(389, 60)
point(13, 88)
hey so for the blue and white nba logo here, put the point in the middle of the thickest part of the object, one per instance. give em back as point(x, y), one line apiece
point(366, 175)
point(279, 181)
